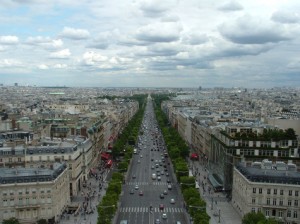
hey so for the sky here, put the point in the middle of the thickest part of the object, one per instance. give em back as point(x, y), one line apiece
point(150, 43)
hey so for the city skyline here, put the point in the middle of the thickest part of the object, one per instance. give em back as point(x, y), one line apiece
point(145, 43)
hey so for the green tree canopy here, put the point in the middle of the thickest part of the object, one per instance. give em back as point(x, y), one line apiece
point(11, 221)
point(253, 218)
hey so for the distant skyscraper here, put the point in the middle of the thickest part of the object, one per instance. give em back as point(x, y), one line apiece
point(200, 88)
point(16, 84)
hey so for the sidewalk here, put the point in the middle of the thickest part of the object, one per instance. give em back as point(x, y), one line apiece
point(216, 202)
point(89, 198)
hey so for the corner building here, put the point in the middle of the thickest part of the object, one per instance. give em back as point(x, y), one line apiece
point(32, 194)
point(270, 188)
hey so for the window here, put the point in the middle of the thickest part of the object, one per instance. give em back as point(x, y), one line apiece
point(253, 210)
point(296, 193)
point(274, 201)
point(275, 191)
point(280, 213)
point(295, 215)
point(289, 202)
point(268, 201)
point(281, 202)
point(258, 209)
point(296, 203)
point(254, 190)
point(281, 192)
point(253, 200)
point(267, 212)
point(290, 192)
point(19, 160)
point(268, 191)
point(289, 213)
point(260, 190)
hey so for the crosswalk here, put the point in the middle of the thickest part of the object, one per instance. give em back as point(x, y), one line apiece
point(146, 209)
point(147, 183)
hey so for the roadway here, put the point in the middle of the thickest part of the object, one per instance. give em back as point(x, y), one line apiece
point(150, 158)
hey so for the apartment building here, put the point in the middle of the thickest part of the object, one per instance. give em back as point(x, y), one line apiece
point(231, 144)
point(270, 188)
point(30, 194)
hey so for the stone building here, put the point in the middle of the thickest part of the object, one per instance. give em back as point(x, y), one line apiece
point(30, 194)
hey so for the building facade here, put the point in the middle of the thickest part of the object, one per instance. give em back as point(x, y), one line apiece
point(33, 194)
point(270, 188)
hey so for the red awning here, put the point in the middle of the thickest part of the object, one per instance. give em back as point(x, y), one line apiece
point(105, 156)
point(109, 163)
point(194, 156)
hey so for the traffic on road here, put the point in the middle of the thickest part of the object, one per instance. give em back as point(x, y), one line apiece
point(150, 194)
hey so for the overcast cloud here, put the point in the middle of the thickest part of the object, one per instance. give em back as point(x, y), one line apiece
point(148, 43)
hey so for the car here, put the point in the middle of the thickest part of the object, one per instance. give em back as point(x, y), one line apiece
point(141, 193)
point(168, 181)
point(136, 187)
point(133, 176)
point(159, 178)
point(162, 173)
point(139, 161)
point(124, 222)
point(152, 158)
point(161, 196)
point(178, 222)
point(161, 207)
point(167, 174)
point(172, 201)
point(131, 191)
point(152, 167)
point(164, 216)
point(169, 187)
point(165, 192)
point(157, 221)
point(142, 155)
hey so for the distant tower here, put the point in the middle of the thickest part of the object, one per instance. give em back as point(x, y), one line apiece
point(200, 88)
point(16, 84)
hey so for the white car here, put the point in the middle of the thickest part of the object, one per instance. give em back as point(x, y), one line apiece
point(172, 201)
point(164, 216)
point(136, 187)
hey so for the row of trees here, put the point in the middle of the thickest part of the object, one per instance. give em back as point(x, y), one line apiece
point(16, 221)
point(257, 218)
point(268, 135)
point(122, 147)
point(178, 152)
point(131, 132)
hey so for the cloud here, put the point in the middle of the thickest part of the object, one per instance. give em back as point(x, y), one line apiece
point(43, 67)
point(60, 66)
point(91, 58)
point(45, 42)
point(75, 34)
point(9, 40)
point(159, 49)
point(62, 54)
point(285, 17)
point(159, 32)
point(5, 63)
point(156, 8)
point(104, 39)
point(249, 30)
point(194, 38)
point(231, 6)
